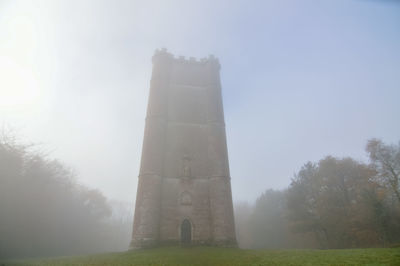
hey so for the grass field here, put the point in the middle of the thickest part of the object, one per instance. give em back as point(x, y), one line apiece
point(228, 256)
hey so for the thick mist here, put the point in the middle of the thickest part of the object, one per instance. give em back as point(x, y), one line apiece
point(334, 203)
point(299, 80)
point(302, 81)
point(45, 212)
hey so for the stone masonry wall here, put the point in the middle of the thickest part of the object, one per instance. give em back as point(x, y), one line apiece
point(184, 169)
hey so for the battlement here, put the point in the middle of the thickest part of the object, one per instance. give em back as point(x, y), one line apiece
point(163, 53)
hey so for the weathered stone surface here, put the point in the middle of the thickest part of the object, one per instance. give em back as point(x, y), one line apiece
point(184, 171)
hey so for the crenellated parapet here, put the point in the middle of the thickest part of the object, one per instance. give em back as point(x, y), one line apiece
point(163, 54)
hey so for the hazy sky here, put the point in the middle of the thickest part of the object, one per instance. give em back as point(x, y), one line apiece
point(301, 80)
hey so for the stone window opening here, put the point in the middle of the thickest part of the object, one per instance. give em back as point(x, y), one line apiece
point(186, 198)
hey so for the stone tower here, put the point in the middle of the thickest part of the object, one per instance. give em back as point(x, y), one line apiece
point(184, 191)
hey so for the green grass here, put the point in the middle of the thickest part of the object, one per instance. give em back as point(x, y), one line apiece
point(229, 256)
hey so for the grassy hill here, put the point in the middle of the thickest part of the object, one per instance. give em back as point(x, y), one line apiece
point(228, 256)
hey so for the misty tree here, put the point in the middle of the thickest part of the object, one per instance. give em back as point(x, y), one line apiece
point(44, 211)
point(329, 199)
point(268, 222)
point(386, 161)
point(243, 211)
point(303, 195)
point(334, 203)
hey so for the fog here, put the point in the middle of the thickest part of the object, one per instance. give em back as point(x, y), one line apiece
point(301, 80)
point(45, 212)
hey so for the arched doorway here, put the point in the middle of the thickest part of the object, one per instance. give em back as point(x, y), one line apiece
point(186, 232)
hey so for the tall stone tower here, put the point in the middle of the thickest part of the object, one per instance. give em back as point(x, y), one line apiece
point(184, 191)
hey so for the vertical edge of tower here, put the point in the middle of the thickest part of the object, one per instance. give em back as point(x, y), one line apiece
point(148, 199)
point(221, 206)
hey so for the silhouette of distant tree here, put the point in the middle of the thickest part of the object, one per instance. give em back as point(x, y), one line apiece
point(43, 210)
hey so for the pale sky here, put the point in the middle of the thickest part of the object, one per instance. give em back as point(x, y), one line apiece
point(301, 80)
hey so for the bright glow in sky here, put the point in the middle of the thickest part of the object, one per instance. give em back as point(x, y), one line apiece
point(301, 80)
point(19, 86)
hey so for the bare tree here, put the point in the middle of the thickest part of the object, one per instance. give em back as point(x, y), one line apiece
point(386, 161)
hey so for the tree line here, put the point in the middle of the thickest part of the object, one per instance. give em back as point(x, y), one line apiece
point(44, 211)
point(333, 203)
